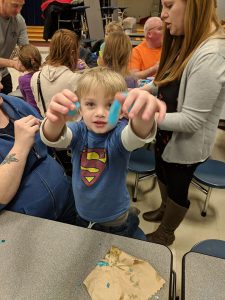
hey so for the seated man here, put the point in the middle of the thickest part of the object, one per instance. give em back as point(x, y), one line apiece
point(32, 182)
point(145, 57)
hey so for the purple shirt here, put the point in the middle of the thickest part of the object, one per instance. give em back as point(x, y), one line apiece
point(131, 82)
point(25, 88)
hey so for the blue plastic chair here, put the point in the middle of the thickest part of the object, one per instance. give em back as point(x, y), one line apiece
point(212, 247)
point(142, 163)
point(211, 174)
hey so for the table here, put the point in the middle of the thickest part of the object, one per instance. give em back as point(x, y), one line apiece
point(47, 260)
point(136, 35)
point(203, 277)
point(135, 43)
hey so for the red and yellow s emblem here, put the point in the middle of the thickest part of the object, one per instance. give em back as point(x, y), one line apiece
point(93, 163)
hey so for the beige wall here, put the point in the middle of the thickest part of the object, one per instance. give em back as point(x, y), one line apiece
point(221, 9)
point(142, 8)
point(138, 9)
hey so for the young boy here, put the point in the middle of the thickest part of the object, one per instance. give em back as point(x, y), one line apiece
point(100, 153)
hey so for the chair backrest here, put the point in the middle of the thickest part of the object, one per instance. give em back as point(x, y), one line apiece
point(142, 161)
point(212, 247)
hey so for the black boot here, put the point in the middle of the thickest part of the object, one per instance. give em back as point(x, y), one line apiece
point(173, 216)
point(157, 215)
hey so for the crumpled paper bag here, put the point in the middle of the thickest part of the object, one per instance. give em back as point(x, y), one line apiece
point(120, 276)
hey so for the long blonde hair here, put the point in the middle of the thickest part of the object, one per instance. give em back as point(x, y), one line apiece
point(113, 27)
point(117, 52)
point(200, 15)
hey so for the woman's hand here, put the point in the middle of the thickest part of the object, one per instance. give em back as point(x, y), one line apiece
point(25, 130)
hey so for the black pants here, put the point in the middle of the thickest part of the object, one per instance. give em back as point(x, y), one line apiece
point(7, 84)
point(177, 178)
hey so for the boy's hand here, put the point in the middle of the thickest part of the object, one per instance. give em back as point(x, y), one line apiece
point(140, 104)
point(60, 105)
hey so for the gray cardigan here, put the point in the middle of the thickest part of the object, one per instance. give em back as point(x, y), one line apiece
point(200, 102)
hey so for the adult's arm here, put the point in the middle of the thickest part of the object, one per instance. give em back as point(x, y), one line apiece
point(21, 40)
point(12, 167)
point(10, 63)
point(146, 73)
point(136, 65)
point(205, 82)
point(23, 36)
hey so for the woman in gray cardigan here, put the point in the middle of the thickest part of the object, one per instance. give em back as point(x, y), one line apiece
point(191, 81)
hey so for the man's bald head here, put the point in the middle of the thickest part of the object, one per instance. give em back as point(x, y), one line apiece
point(151, 23)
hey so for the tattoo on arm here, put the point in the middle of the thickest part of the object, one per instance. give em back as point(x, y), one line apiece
point(9, 159)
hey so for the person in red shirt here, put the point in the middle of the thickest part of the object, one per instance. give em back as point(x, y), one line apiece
point(145, 57)
point(45, 4)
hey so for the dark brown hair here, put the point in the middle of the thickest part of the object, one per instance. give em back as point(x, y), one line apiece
point(30, 57)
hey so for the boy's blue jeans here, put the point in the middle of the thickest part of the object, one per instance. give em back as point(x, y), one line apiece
point(126, 229)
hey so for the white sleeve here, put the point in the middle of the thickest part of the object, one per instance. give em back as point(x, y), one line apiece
point(131, 141)
point(64, 140)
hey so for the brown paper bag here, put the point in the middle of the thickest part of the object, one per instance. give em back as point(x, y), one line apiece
point(121, 276)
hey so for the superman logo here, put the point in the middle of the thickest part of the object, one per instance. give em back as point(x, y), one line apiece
point(93, 163)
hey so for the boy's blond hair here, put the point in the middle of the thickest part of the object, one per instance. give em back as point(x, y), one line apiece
point(100, 78)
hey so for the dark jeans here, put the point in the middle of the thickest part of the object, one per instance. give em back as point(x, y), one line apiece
point(69, 213)
point(127, 229)
point(177, 178)
point(7, 84)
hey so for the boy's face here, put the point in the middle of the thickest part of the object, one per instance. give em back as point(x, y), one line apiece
point(95, 111)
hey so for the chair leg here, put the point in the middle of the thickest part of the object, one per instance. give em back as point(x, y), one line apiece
point(136, 187)
point(58, 16)
point(206, 203)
